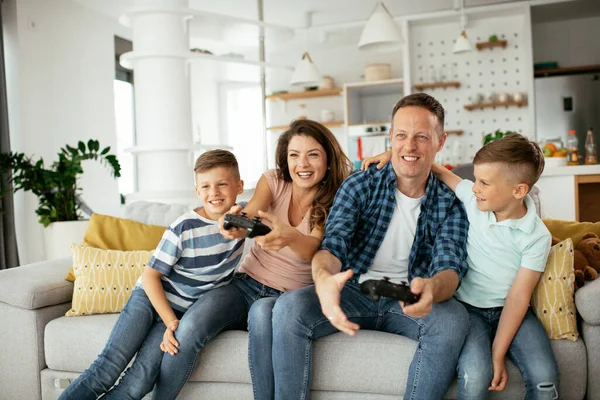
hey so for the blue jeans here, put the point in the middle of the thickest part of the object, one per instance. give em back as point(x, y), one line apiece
point(138, 329)
point(298, 320)
point(218, 310)
point(530, 350)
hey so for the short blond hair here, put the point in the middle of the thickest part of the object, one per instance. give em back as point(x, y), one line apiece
point(215, 159)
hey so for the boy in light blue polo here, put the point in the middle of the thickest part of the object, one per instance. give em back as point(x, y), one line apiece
point(507, 247)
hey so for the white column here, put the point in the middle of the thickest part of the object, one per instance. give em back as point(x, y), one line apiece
point(162, 100)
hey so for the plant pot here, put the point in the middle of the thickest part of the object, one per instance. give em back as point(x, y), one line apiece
point(59, 236)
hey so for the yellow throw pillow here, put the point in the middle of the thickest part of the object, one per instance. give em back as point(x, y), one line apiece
point(104, 279)
point(553, 297)
point(571, 229)
point(112, 233)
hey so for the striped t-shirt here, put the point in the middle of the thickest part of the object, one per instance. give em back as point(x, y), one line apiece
point(194, 258)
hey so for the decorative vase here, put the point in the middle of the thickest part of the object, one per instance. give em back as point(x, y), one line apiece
point(59, 236)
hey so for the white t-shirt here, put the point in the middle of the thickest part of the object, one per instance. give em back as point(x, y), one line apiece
point(391, 259)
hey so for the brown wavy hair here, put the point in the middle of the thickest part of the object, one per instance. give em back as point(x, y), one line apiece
point(338, 165)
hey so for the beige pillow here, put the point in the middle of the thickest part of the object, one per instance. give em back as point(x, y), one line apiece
point(553, 297)
point(104, 279)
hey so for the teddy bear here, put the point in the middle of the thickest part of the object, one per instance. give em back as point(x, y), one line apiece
point(583, 268)
point(589, 247)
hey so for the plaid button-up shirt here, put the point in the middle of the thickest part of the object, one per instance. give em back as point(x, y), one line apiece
point(362, 211)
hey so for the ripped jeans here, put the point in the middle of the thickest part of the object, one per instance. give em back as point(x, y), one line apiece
point(530, 351)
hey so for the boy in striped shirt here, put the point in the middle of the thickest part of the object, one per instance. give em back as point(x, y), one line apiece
point(191, 258)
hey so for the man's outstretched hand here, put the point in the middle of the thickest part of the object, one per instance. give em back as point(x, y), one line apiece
point(329, 289)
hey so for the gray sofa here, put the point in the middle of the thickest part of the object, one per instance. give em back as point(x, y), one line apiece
point(41, 350)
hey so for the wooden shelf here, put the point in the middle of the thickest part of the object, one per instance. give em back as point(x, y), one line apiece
point(583, 69)
point(471, 107)
point(423, 86)
point(488, 45)
point(307, 94)
point(455, 132)
point(333, 124)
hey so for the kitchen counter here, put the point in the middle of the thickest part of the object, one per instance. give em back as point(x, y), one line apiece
point(569, 170)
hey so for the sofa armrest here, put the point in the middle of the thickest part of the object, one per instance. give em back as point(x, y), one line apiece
point(586, 301)
point(37, 285)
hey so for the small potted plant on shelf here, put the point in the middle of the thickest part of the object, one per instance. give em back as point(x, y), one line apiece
point(490, 137)
point(56, 186)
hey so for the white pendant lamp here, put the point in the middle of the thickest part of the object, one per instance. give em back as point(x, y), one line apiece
point(462, 44)
point(306, 73)
point(381, 33)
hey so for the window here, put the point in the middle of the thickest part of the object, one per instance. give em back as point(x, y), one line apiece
point(125, 120)
point(125, 129)
point(241, 107)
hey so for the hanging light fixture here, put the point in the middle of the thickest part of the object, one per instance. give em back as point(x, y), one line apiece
point(306, 73)
point(381, 32)
point(462, 44)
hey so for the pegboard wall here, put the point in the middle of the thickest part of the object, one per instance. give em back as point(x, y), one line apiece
point(486, 73)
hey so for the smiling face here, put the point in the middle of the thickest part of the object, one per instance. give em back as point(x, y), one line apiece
point(307, 161)
point(218, 189)
point(493, 188)
point(415, 142)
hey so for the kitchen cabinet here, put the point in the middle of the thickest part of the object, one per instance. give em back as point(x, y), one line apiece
point(571, 193)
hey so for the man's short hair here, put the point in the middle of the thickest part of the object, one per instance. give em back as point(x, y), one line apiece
point(215, 159)
point(425, 101)
point(524, 158)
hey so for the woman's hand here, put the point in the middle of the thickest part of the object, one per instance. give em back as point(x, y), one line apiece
point(169, 343)
point(380, 159)
point(233, 232)
point(280, 236)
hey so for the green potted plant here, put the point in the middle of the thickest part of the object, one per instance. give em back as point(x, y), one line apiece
point(490, 137)
point(56, 187)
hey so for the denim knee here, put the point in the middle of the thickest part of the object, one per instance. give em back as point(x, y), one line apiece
point(293, 306)
point(260, 316)
point(474, 379)
point(449, 319)
point(544, 379)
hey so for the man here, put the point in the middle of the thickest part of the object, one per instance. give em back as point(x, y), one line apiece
point(400, 222)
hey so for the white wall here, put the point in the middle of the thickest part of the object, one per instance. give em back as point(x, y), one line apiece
point(62, 93)
point(570, 43)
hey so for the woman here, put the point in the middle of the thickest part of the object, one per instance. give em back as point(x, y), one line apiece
point(296, 197)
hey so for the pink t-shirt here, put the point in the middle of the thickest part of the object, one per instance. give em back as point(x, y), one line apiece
point(282, 270)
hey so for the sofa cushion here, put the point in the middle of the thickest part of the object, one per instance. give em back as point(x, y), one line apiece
point(104, 279)
point(36, 285)
point(552, 298)
point(155, 213)
point(381, 359)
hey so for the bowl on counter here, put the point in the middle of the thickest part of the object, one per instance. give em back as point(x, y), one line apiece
point(551, 162)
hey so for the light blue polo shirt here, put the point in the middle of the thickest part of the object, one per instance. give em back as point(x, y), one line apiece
point(497, 250)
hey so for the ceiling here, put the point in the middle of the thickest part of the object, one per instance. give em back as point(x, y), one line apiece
point(296, 14)
point(292, 13)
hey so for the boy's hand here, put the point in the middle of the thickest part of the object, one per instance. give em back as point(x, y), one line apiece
point(233, 232)
point(169, 343)
point(420, 309)
point(500, 376)
point(380, 159)
point(280, 235)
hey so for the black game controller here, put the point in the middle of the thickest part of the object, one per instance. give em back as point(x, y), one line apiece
point(377, 288)
point(254, 226)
